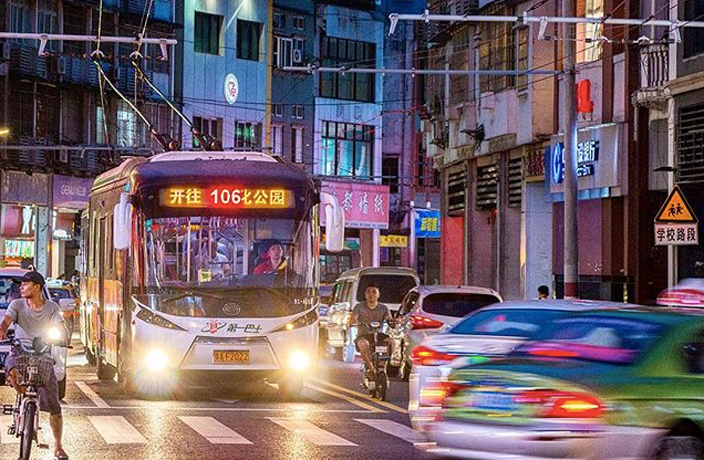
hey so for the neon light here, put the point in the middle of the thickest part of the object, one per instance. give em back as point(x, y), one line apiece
point(225, 197)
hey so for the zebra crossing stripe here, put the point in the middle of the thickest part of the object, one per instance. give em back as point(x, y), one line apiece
point(117, 430)
point(312, 433)
point(395, 429)
point(214, 431)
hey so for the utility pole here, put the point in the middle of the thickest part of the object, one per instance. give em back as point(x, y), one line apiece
point(571, 256)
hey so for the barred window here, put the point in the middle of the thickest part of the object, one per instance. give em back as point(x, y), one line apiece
point(523, 34)
point(497, 51)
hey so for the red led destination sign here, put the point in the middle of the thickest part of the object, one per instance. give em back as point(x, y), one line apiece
point(225, 197)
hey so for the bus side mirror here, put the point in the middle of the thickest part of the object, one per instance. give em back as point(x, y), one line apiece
point(334, 223)
point(122, 223)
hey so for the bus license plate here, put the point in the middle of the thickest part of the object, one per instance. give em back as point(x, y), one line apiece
point(231, 357)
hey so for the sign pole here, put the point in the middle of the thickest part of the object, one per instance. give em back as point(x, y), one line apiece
point(571, 257)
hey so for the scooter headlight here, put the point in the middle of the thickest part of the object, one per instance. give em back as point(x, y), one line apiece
point(54, 334)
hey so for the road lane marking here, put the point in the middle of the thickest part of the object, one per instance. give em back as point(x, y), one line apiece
point(217, 409)
point(346, 398)
point(92, 395)
point(395, 429)
point(6, 421)
point(312, 433)
point(214, 431)
point(361, 395)
point(117, 430)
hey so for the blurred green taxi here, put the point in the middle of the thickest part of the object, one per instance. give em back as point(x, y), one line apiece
point(625, 384)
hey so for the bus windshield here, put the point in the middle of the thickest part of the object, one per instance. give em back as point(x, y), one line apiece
point(223, 252)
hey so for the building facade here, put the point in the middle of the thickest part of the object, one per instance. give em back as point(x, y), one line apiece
point(62, 132)
point(221, 71)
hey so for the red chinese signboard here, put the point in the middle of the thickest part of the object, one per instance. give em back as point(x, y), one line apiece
point(365, 205)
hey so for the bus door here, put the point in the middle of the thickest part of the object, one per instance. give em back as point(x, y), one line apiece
point(101, 255)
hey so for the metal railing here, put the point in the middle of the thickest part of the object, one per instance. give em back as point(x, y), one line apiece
point(654, 65)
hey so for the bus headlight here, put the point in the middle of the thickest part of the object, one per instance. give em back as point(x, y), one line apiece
point(299, 361)
point(156, 360)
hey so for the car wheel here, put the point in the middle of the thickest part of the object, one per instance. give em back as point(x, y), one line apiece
point(680, 447)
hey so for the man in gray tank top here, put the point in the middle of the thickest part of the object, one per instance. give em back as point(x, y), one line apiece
point(365, 313)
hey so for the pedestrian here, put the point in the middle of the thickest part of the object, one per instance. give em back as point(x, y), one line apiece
point(543, 292)
point(33, 316)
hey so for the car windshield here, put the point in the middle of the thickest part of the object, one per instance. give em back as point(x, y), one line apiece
point(506, 322)
point(61, 293)
point(594, 338)
point(392, 287)
point(456, 304)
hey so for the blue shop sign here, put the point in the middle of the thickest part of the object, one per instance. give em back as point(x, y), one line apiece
point(587, 156)
point(427, 223)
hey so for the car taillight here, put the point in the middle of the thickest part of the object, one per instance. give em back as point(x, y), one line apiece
point(434, 394)
point(424, 356)
point(423, 322)
point(558, 404)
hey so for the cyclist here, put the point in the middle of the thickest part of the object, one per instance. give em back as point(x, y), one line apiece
point(365, 313)
point(33, 316)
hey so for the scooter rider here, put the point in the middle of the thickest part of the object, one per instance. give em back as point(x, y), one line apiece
point(365, 313)
point(34, 316)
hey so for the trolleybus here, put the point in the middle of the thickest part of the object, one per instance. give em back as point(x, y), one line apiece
point(204, 263)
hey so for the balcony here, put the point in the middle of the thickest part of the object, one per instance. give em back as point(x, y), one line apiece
point(654, 75)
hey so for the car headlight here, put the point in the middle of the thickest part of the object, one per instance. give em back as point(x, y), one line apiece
point(299, 361)
point(302, 321)
point(156, 360)
point(152, 318)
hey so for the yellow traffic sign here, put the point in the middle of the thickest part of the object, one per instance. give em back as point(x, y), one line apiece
point(676, 209)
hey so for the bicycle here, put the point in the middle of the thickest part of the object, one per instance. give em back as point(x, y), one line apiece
point(32, 368)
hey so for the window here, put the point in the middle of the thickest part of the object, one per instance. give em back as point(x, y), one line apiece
point(589, 52)
point(288, 51)
point(100, 126)
point(128, 132)
point(496, 51)
point(20, 13)
point(279, 20)
point(394, 287)
point(693, 37)
point(247, 134)
point(389, 171)
point(346, 150)
point(456, 305)
point(487, 187)
point(337, 52)
point(206, 37)
point(523, 34)
point(277, 139)
point(48, 22)
point(297, 140)
point(299, 22)
point(248, 38)
point(297, 112)
point(211, 127)
point(278, 110)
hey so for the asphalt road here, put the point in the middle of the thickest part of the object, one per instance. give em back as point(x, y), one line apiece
point(333, 419)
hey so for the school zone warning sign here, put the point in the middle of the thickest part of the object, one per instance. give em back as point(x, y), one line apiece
point(676, 224)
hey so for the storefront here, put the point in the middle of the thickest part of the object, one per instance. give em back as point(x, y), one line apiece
point(39, 220)
point(426, 236)
point(603, 185)
point(70, 197)
point(366, 209)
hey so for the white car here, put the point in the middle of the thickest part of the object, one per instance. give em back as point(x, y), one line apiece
point(64, 294)
point(491, 331)
point(687, 293)
point(428, 310)
point(9, 291)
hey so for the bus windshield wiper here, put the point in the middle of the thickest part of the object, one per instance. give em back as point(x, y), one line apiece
point(193, 293)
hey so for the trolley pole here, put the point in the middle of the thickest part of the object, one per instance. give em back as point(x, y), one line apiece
point(570, 151)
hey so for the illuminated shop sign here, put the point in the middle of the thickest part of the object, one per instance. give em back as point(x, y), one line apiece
point(587, 156)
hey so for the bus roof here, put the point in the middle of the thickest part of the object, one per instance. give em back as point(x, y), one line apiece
point(186, 166)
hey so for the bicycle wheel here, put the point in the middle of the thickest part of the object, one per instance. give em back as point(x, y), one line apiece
point(27, 431)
